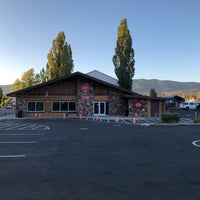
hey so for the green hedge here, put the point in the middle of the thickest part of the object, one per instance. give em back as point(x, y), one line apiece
point(197, 120)
point(170, 118)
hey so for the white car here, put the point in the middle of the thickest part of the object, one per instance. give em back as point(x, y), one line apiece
point(189, 105)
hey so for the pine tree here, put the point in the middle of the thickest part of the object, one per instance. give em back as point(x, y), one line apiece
point(123, 59)
point(60, 61)
point(153, 93)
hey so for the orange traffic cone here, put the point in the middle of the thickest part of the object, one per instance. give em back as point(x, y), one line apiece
point(64, 116)
point(134, 121)
point(117, 120)
point(81, 117)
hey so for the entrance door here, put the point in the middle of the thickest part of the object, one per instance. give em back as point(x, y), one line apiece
point(99, 108)
point(154, 108)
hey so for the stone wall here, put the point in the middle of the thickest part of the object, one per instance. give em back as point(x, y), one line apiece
point(21, 106)
point(117, 104)
point(137, 108)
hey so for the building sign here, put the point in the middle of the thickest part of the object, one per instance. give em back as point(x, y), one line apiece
point(85, 88)
point(138, 104)
point(85, 97)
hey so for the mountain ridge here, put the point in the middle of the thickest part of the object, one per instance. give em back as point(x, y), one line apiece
point(164, 87)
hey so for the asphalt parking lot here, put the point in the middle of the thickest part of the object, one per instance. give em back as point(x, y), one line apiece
point(87, 160)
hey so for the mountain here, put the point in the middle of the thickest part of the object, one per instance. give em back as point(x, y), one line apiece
point(164, 88)
point(6, 88)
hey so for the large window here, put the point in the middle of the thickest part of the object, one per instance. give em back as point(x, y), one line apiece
point(63, 106)
point(35, 106)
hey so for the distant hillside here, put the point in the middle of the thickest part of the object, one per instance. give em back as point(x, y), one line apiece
point(6, 88)
point(143, 86)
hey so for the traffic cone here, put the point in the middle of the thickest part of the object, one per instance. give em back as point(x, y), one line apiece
point(117, 120)
point(134, 121)
point(64, 116)
point(81, 117)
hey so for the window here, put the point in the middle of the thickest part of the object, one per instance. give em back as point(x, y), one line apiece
point(63, 106)
point(35, 106)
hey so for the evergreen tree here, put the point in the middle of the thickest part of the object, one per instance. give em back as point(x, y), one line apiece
point(60, 61)
point(153, 93)
point(123, 59)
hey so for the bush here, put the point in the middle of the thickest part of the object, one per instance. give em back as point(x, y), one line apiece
point(170, 118)
point(197, 120)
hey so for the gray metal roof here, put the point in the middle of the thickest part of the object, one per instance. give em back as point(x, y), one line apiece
point(104, 77)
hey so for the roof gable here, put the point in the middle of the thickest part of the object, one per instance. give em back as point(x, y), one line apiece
point(73, 75)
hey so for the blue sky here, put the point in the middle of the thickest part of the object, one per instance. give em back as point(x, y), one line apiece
point(165, 34)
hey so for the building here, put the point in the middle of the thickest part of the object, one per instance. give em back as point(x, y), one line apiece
point(84, 94)
point(174, 101)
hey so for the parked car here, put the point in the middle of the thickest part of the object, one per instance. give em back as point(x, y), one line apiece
point(8, 106)
point(189, 105)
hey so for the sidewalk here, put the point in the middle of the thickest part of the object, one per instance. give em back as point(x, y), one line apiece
point(113, 119)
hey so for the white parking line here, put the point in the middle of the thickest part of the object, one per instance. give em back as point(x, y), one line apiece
point(25, 142)
point(23, 126)
point(12, 156)
point(195, 143)
point(14, 126)
point(22, 134)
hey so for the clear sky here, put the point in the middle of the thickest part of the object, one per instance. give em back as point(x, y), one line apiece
point(165, 34)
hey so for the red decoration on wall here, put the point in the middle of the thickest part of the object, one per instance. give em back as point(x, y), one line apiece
point(138, 104)
point(85, 88)
point(85, 97)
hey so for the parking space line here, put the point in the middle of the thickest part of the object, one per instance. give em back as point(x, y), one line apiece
point(23, 126)
point(195, 143)
point(23, 142)
point(15, 126)
point(22, 134)
point(12, 156)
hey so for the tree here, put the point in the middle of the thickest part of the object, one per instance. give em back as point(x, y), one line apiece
point(60, 61)
point(16, 85)
point(28, 79)
point(41, 77)
point(123, 59)
point(1, 94)
point(153, 93)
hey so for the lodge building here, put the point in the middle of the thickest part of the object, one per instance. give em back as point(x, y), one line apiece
point(89, 94)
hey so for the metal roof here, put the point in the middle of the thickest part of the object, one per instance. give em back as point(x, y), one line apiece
point(104, 77)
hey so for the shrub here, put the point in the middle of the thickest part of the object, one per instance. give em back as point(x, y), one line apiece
point(197, 120)
point(170, 118)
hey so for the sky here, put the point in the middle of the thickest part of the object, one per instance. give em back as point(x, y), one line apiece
point(165, 36)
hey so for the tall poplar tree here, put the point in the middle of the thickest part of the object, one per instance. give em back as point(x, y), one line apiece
point(60, 62)
point(123, 59)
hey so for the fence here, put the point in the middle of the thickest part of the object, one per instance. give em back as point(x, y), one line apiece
point(7, 113)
